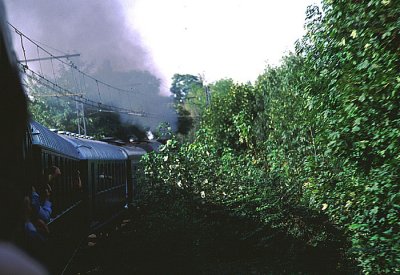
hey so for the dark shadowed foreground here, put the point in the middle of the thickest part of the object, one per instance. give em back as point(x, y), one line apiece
point(158, 239)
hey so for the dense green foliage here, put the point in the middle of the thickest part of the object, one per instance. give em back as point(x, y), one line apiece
point(189, 101)
point(353, 51)
point(183, 84)
point(50, 109)
point(316, 138)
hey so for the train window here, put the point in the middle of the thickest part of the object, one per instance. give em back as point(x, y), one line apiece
point(75, 188)
point(105, 172)
point(68, 185)
point(66, 181)
point(98, 177)
point(108, 175)
point(101, 175)
point(72, 168)
point(112, 174)
point(92, 181)
point(47, 159)
point(117, 173)
point(117, 176)
point(124, 171)
point(121, 173)
point(134, 172)
point(50, 160)
point(119, 169)
point(60, 184)
point(112, 178)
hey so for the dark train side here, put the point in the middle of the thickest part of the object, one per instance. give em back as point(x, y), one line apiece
point(97, 183)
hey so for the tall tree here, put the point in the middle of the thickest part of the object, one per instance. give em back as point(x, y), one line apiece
point(187, 90)
point(183, 84)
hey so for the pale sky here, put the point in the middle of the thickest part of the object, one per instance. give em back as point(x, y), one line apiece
point(217, 38)
point(214, 38)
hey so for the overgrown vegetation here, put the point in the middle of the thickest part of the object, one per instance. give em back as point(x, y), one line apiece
point(314, 143)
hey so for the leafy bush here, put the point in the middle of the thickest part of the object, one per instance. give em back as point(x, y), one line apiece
point(354, 51)
point(226, 165)
point(316, 137)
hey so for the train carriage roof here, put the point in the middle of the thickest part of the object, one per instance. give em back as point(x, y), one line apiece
point(43, 137)
point(148, 146)
point(93, 149)
point(133, 152)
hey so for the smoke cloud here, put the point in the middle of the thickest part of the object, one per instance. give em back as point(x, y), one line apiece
point(110, 49)
point(96, 29)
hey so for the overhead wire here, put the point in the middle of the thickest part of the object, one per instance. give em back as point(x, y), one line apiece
point(50, 47)
point(98, 91)
point(54, 73)
point(66, 92)
point(40, 62)
point(72, 65)
point(53, 85)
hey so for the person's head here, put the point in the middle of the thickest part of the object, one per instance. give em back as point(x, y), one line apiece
point(54, 172)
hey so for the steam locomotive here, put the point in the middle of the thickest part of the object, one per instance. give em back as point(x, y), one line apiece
point(108, 176)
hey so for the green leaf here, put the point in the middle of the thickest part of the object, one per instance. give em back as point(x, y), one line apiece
point(363, 65)
point(355, 129)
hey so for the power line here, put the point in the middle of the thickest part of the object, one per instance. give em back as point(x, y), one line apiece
point(69, 64)
point(57, 50)
point(65, 92)
point(57, 95)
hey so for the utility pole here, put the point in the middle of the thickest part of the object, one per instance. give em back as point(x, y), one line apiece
point(80, 113)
